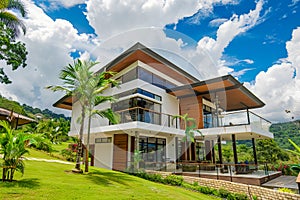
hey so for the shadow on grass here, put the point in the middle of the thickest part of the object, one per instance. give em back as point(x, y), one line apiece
point(30, 183)
point(109, 178)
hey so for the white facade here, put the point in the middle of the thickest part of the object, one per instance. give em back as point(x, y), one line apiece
point(158, 138)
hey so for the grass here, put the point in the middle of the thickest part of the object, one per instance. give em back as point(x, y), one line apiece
point(43, 180)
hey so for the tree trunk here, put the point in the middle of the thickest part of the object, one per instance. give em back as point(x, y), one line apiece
point(87, 152)
point(4, 174)
point(79, 152)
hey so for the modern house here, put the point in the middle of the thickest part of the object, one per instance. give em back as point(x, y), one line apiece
point(152, 90)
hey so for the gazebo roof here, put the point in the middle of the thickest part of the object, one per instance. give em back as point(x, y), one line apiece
point(18, 118)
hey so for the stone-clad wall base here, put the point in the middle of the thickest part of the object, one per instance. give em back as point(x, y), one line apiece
point(260, 192)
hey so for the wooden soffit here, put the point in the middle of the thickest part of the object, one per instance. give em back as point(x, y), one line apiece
point(229, 92)
point(149, 57)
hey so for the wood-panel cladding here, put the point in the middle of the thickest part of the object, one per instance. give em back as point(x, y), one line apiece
point(192, 106)
point(120, 152)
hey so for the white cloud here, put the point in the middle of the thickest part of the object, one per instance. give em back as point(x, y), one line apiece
point(118, 16)
point(56, 4)
point(279, 86)
point(217, 22)
point(48, 44)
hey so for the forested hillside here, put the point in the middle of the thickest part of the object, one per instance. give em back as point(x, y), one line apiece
point(283, 131)
point(28, 110)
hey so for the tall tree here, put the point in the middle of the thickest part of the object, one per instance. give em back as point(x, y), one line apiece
point(75, 81)
point(84, 86)
point(11, 20)
point(98, 83)
point(12, 52)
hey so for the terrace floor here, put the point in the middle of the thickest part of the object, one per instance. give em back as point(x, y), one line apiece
point(255, 178)
point(282, 182)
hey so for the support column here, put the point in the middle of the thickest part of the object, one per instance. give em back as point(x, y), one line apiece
point(207, 150)
point(234, 149)
point(136, 147)
point(213, 151)
point(220, 150)
point(254, 151)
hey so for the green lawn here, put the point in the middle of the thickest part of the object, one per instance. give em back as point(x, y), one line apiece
point(44, 180)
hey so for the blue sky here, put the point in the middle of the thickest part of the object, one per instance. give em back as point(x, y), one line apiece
point(257, 41)
point(267, 37)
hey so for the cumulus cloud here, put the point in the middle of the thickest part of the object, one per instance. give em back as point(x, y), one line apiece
point(56, 4)
point(279, 86)
point(49, 43)
point(140, 14)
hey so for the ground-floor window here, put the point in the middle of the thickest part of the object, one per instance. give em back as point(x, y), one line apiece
point(153, 150)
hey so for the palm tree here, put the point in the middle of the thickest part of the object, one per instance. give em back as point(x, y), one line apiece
point(13, 147)
point(96, 88)
point(11, 20)
point(75, 81)
point(85, 86)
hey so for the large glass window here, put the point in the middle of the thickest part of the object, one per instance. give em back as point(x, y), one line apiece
point(152, 149)
point(129, 76)
point(138, 109)
point(145, 75)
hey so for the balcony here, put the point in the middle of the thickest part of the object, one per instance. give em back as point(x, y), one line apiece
point(148, 116)
point(245, 124)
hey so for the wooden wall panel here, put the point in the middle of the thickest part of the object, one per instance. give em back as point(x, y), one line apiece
point(193, 106)
point(120, 152)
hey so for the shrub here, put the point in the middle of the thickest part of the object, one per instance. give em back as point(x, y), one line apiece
point(223, 193)
point(286, 190)
point(240, 196)
point(174, 180)
point(68, 154)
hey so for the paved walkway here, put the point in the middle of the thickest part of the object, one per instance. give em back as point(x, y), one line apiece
point(282, 182)
point(48, 160)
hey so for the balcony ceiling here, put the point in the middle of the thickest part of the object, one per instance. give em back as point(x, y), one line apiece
point(230, 94)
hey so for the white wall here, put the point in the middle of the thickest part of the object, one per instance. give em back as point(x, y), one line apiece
point(103, 153)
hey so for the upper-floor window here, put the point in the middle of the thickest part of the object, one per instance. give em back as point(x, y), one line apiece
point(139, 91)
point(145, 75)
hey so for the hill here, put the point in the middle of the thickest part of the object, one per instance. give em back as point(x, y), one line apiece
point(283, 131)
point(28, 110)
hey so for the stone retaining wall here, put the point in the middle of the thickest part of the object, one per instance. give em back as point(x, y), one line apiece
point(260, 192)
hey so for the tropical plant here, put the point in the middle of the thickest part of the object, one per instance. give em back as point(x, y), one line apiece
point(12, 146)
point(12, 52)
point(97, 84)
point(10, 19)
point(295, 167)
point(189, 125)
point(85, 87)
point(75, 78)
point(190, 128)
point(268, 151)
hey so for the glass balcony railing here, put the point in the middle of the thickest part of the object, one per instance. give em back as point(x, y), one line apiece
point(243, 118)
point(148, 116)
point(223, 120)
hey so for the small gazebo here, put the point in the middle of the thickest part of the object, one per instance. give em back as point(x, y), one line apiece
point(15, 119)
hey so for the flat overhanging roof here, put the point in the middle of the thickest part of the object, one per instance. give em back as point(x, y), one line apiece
point(65, 102)
point(229, 92)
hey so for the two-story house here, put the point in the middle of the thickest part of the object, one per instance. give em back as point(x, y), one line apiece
point(152, 90)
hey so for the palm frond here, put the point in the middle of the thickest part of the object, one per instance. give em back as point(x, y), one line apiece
point(113, 117)
point(12, 22)
point(18, 5)
point(103, 99)
point(294, 145)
